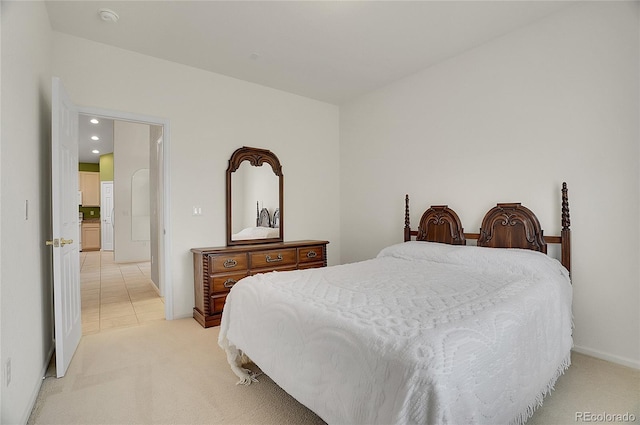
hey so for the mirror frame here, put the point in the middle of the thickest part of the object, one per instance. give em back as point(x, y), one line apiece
point(256, 157)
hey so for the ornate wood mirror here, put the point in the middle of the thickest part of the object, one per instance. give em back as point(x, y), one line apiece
point(254, 197)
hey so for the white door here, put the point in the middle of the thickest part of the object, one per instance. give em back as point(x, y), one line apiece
point(106, 212)
point(64, 213)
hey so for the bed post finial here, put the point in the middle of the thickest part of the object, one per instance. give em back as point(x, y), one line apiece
point(566, 221)
point(566, 228)
point(407, 226)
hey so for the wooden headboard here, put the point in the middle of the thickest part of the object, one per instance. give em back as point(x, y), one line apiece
point(509, 225)
point(440, 224)
point(263, 219)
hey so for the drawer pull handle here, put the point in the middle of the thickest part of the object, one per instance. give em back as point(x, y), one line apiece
point(312, 254)
point(228, 263)
point(274, 260)
point(229, 283)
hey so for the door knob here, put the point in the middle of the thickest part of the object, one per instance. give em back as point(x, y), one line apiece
point(65, 241)
point(55, 242)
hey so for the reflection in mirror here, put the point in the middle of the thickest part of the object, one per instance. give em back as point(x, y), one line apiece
point(140, 206)
point(254, 189)
point(254, 197)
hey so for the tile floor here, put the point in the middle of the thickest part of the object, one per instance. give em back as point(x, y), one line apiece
point(116, 295)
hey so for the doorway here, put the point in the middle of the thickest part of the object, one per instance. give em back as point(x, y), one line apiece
point(116, 295)
point(64, 216)
point(158, 209)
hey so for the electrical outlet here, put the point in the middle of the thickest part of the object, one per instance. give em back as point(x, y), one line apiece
point(7, 372)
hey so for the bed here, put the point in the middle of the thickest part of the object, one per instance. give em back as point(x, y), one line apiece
point(265, 228)
point(432, 330)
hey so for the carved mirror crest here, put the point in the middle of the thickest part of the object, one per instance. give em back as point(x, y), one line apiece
point(254, 197)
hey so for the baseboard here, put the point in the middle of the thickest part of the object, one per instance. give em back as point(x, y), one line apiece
point(182, 316)
point(34, 395)
point(607, 356)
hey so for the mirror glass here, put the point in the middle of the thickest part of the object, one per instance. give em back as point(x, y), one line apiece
point(254, 197)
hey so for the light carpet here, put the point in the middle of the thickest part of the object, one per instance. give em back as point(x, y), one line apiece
point(173, 372)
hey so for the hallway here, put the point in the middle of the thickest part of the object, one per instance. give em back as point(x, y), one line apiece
point(116, 295)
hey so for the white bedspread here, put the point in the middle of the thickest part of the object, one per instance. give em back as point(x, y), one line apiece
point(424, 333)
point(260, 232)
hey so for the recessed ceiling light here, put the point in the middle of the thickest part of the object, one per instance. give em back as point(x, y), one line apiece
point(95, 138)
point(108, 15)
point(94, 121)
point(95, 151)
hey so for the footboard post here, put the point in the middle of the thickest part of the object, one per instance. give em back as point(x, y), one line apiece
point(407, 226)
point(566, 230)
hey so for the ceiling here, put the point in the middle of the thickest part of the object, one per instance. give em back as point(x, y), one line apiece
point(103, 130)
point(333, 51)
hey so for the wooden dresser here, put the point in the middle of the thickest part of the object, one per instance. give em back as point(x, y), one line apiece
point(216, 270)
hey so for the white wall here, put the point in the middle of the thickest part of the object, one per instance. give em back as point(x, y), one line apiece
point(509, 122)
point(26, 335)
point(211, 116)
point(131, 151)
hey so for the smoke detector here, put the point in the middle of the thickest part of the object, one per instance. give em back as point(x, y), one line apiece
point(108, 15)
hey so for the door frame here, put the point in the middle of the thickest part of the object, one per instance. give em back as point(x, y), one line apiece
point(103, 226)
point(164, 228)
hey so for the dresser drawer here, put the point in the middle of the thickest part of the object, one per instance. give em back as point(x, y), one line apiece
point(303, 266)
point(225, 282)
point(217, 269)
point(274, 269)
point(227, 262)
point(273, 258)
point(217, 303)
point(311, 254)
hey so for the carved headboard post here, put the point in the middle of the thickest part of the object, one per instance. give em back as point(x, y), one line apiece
point(566, 229)
point(407, 226)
